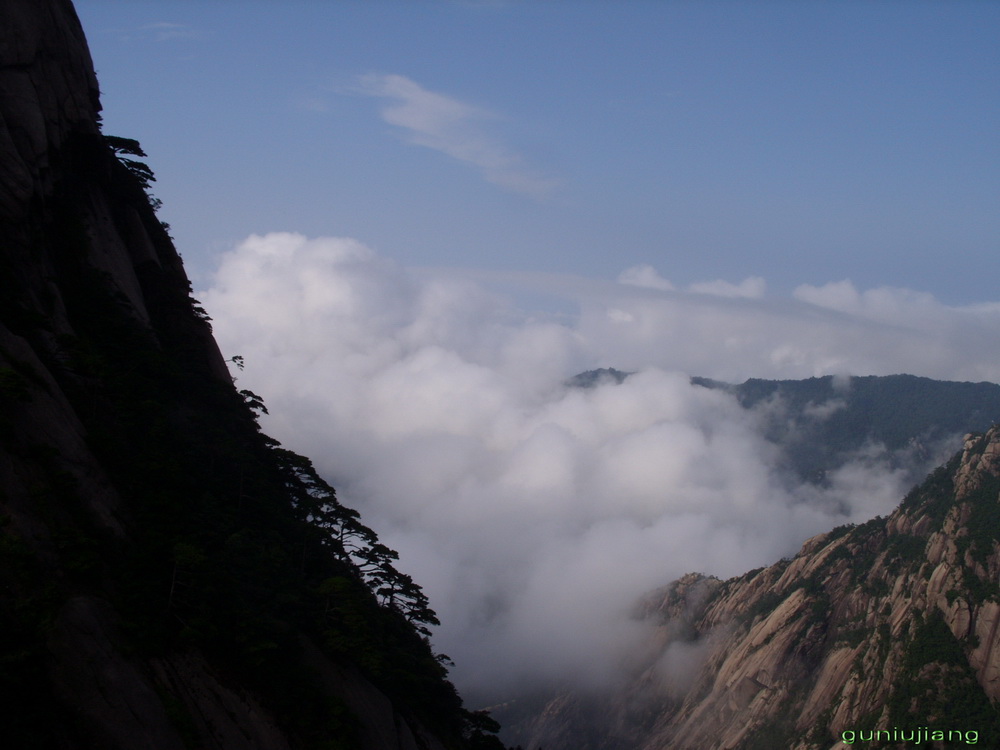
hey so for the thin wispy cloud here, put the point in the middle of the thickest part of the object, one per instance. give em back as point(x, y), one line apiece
point(750, 288)
point(165, 31)
point(455, 128)
point(160, 31)
point(647, 277)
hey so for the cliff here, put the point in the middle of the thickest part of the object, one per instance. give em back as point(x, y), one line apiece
point(170, 577)
point(890, 625)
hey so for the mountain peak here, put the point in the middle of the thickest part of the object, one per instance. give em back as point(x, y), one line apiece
point(979, 463)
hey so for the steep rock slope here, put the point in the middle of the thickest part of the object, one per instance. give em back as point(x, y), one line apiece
point(169, 576)
point(890, 625)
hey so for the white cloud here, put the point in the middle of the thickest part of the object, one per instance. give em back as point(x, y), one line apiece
point(886, 304)
point(678, 666)
point(457, 129)
point(644, 276)
point(823, 411)
point(829, 330)
point(533, 514)
point(750, 288)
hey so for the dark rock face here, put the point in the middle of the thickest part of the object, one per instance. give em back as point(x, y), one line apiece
point(136, 491)
point(48, 92)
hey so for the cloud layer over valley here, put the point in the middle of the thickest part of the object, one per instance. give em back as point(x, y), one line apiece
point(534, 514)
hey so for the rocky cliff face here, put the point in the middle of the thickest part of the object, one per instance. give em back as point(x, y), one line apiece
point(893, 624)
point(164, 582)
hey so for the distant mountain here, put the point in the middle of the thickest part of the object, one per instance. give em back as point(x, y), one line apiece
point(170, 577)
point(892, 626)
point(594, 378)
point(820, 423)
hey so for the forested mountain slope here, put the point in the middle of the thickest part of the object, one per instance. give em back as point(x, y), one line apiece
point(170, 577)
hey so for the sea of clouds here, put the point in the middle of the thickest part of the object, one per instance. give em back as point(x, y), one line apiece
point(535, 514)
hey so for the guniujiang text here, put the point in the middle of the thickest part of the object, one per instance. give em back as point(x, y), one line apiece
point(916, 736)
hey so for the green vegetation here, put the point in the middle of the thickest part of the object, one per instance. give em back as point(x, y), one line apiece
point(764, 605)
point(821, 736)
point(124, 147)
point(935, 496)
point(984, 520)
point(904, 551)
point(937, 686)
point(779, 732)
point(854, 637)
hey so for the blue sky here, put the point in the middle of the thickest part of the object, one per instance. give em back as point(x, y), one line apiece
point(802, 143)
